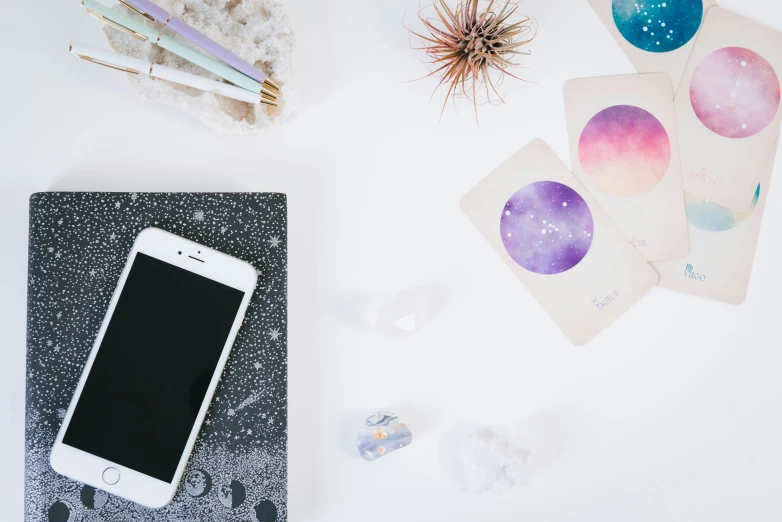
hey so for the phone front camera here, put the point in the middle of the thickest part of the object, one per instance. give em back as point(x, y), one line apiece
point(180, 252)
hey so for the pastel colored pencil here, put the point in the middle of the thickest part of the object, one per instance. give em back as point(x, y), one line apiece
point(152, 35)
point(155, 12)
point(132, 65)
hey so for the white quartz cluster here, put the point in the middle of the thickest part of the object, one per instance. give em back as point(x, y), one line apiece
point(256, 30)
point(494, 460)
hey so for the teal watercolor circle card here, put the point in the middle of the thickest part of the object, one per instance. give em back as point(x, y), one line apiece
point(658, 27)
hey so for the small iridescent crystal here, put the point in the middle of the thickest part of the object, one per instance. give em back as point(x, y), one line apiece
point(382, 434)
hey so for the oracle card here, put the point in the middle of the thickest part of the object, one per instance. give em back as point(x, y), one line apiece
point(728, 108)
point(655, 36)
point(624, 149)
point(558, 241)
point(723, 246)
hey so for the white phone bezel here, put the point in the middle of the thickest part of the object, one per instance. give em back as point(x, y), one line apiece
point(134, 486)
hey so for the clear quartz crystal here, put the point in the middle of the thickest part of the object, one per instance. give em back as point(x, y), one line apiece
point(409, 311)
point(494, 461)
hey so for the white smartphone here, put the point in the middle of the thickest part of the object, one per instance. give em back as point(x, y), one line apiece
point(131, 425)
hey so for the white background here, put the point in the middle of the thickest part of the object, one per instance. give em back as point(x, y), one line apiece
point(672, 414)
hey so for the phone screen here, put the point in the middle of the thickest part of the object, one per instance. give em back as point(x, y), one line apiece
point(154, 365)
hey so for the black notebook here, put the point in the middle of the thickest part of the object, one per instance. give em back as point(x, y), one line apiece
point(79, 243)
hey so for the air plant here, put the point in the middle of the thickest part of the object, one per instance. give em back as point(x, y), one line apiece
point(467, 46)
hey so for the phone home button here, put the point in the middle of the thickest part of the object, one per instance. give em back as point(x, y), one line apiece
point(111, 476)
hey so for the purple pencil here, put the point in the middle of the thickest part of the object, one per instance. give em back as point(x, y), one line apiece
point(157, 13)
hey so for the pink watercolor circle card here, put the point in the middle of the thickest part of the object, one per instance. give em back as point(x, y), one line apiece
point(624, 148)
point(728, 108)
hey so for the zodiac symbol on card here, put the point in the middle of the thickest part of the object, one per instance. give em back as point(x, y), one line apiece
point(600, 304)
point(703, 175)
point(689, 273)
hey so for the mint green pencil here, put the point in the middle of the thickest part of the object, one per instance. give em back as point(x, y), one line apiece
point(149, 34)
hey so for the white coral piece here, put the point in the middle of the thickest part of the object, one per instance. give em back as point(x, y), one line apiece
point(256, 30)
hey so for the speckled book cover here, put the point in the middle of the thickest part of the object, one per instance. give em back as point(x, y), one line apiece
point(79, 243)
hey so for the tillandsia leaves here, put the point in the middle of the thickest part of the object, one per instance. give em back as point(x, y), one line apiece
point(470, 43)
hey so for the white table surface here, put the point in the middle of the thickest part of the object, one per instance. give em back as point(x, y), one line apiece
point(672, 414)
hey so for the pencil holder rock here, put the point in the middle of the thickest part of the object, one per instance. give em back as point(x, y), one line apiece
point(256, 30)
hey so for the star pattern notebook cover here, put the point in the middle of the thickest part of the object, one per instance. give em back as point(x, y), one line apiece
point(79, 243)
